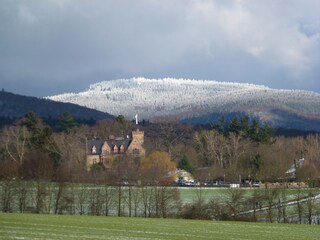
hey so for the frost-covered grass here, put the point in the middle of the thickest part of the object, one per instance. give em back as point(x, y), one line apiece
point(33, 226)
point(191, 194)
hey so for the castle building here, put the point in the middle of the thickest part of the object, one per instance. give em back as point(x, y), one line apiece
point(104, 152)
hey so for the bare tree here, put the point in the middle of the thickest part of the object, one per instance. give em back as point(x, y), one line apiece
point(213, 148)
point(234, 202)
point(235, 148)
point(136, 199)
point(95, 200)
point(284, 198)
point(60, 188)
point(310, 205)
point(169, 201)
point(71, 151)
point(271, 197)
point(39, 167)
point(22, 193)
point(312, 154)
point(81, 198)
point(147, 197)
point(218, 209)
point(41, 193)
point(15, 142)
point(7, 193)
point(299, 205)
point(255, 202)
point(108, 196)
point(7, 184)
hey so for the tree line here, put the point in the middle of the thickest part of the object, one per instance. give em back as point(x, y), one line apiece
point(102, 199)
point(45, 168)
point(241, 148)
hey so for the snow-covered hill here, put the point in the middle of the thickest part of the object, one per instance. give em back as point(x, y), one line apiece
point(184, 98)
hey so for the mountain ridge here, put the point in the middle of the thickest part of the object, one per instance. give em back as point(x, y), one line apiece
point(16, 106)
point(190, 99)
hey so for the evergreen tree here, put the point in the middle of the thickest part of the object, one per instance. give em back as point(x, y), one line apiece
point(254, 131)
point(185, 164)
point(244, 125)
point(66, 122)
point(220, 126)
point(31, 122)
point(256, 165)
point(121, 119)
point(41, 138)
point(234, 126)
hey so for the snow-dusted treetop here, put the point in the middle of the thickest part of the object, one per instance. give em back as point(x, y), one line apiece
point(151, 98)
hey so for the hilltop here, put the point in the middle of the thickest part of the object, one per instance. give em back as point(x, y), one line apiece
point(199, 101)
point(15, 106)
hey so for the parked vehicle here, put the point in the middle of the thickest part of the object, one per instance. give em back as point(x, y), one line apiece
point(213, 182)
point(181, 182)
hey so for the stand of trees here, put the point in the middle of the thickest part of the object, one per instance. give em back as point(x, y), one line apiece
point(44, 171)
point(104, 199)
point(264, 205)
point(242, 148)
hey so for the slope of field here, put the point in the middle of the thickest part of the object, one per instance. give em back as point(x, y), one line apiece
point(31, 226)
point(184, 98)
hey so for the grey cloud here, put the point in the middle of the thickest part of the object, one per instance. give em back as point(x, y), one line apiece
point(49, 47)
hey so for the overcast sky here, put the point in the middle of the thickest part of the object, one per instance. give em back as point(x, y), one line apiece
point(55, 46)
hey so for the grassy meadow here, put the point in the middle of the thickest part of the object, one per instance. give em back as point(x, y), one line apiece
point(40, 226)
point(191, 194)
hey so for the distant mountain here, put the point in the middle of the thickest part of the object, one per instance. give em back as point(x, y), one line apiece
point(200, 101)
point(16, 106)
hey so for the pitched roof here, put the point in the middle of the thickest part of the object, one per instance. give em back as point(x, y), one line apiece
point(98, 143)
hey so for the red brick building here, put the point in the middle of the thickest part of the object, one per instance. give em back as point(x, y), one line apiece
point(104, 152)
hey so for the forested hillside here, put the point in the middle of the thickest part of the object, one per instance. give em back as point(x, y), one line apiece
point(198, 100)
point(13, 106)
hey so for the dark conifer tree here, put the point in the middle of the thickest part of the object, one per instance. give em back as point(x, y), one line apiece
point(185, 164)
point(66, 122)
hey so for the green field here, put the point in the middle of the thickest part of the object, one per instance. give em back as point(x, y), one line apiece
point(192, 194)
point(33, 226)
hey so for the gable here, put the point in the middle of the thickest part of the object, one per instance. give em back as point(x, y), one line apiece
point(105, 149)
point(136, 147)
point(107, 146)
point(94, 144)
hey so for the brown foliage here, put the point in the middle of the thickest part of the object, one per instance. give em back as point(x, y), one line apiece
point(306, 172)
point(156, 167)
point(37, 165)
point(9, 169)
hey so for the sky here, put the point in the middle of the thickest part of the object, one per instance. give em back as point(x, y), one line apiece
point(56, 46)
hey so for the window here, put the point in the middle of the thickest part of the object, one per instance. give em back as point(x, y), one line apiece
point(136, 151)
point(122, 149)
point(115, 149)
point(105, 151)
point(94, 149)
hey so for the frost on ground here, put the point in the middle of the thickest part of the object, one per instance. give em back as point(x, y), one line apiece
point(37, 226)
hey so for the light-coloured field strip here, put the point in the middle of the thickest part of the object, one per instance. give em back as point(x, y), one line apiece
point(33, 226)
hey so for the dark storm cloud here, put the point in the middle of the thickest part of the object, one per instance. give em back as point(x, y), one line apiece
point(49, 47)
